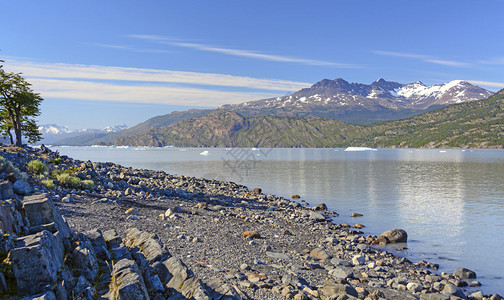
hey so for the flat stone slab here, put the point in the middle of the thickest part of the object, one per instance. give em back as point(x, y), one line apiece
point(36, 261)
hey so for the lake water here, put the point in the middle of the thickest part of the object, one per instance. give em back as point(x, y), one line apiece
point(451, 202)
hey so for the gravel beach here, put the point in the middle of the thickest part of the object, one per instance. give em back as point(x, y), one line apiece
point(239, 242)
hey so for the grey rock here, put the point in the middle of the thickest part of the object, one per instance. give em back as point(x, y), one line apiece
point(193, 288)
point(277, 255)
point(120, 251)
point(179, 272)
point(6, 190)
point(451, 289)
point(36, 261)
point(39, 210)
point(435, 296)
point(6, 220)
point(414, 287)
point(112, 237)
point(316, 216)
point(129, 283)
point(162, 271)
point(340, 262)
point(332, 289)
point(67, 199)
point(464, 273)
point(49, 295)
point(393, 236)
point(319, 253)
point(341, 273)
point(81, 286)
point(96, 238)
point(358, 260)
point(294, 280)
point(477, 295)
point(3, 285)
point(22, 187)
point(151, 248)
point(84, 258)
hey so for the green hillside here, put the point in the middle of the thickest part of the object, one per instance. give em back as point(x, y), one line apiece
point(477, 124)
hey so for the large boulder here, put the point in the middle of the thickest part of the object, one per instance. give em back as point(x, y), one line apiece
point(36, 261)
point(464, 273)
point(393, 236)
point(42, 214)
point(6, 190)
point(22, 187)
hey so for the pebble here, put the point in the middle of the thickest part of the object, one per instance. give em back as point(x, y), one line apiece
point(251, 234)
point(67, 199)
point(132, 211)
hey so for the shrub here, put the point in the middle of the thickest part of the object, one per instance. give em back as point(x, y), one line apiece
point(56, 172)
point(75, 182)
point(70, 181)
point(37, 167)
point(7, 167)
point(56, 161)
point(88, 185)
point(63, 179)
point(48, 184)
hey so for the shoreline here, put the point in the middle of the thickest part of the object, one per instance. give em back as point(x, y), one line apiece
point(297, 253)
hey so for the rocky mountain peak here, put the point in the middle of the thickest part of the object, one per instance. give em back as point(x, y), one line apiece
point(384, 85)
point(364, 103)
point(337, 83)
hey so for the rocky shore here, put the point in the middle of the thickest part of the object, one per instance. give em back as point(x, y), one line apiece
point(122, 233)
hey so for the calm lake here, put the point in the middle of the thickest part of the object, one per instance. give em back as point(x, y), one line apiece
point(450, 202)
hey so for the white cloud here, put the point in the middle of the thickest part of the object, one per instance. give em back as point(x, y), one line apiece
point(242, 53)
point(493, 61)
point(85, 90)
point(92, 72)
point(425, 58)
point(131, 48)
point(487, 83)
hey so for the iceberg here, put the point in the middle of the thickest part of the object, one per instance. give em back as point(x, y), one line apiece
point(360, 149)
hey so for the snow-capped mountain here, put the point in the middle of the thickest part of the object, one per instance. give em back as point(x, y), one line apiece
point(56, 129)
point(364, 103)
point(456, 91)
point(52, 132)
point(53, 129)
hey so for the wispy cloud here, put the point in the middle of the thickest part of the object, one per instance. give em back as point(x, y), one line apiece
point(422, 57)
point(87, 82)
point(73, 71)
point(493, 61)
point(85, 90)
point(242, 53)
point(488, 83)
point(120, 47)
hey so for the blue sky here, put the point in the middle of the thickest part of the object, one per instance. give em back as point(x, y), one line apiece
point(100, 63)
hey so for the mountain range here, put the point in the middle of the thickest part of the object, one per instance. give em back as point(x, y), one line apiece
point(474, 124)
point(52, 133)
point(362, 103)
point(318, 116)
